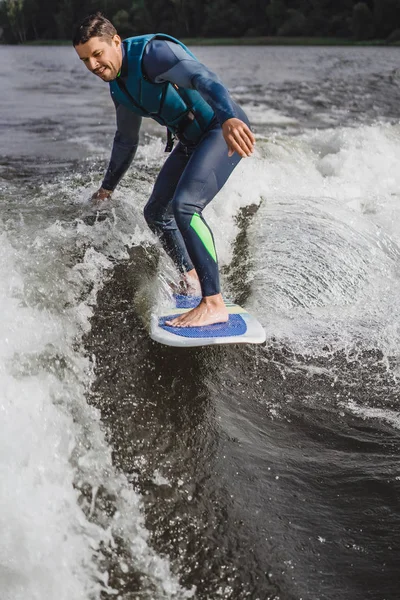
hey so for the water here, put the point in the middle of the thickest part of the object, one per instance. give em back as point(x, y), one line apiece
point(133, 470)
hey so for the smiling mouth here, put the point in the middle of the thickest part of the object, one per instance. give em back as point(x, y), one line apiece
point(100, 71)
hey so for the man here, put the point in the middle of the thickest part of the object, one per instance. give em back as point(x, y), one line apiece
point(157, 76)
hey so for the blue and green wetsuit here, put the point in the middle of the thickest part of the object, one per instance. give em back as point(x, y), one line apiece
point(161, 79)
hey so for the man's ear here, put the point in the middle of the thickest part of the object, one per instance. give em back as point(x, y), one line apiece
point(117, 40)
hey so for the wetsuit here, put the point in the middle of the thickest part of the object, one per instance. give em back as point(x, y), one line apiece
point(194, 172)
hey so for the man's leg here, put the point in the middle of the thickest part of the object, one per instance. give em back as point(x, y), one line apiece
point(205, 174)
point(158, 211)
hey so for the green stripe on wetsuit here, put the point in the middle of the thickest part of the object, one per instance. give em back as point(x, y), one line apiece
point(204, 234)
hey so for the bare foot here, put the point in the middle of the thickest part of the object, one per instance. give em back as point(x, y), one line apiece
point(211, 310)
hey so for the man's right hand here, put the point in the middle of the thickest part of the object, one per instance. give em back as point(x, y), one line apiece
point(101, 195)
point(239, 137)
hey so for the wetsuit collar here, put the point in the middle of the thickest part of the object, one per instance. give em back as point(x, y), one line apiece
point(124, 66)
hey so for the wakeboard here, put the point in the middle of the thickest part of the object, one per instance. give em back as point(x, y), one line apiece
point(241, 328)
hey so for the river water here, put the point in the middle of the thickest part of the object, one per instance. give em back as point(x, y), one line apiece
point(134, 471)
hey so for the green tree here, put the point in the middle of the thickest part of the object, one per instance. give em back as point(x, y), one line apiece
point(160, 16)
point(14, 11)
point(223, 19)
point(22, 20)
point(276, 15)
point(295, 24)
point(64, 19)
point(122, 23)
point(386, 16)
point(182, 11)
point(363, 22)
point(140, 18)
point(329, 17)
point(253, 15)
point(340, 25)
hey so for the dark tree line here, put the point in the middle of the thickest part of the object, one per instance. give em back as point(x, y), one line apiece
point(25, 20)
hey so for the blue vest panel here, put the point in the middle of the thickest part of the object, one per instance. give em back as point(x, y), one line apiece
point(166, 103)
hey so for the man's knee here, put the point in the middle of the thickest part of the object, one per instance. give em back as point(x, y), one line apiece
point(190, 199)
point(183, 212)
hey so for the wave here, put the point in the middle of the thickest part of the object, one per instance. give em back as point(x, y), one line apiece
point(321, 272)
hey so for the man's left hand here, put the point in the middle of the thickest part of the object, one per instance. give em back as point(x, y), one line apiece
point(238, 137)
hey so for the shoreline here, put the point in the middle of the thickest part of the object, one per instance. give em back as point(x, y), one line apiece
point(248, 41)
point(281, 41)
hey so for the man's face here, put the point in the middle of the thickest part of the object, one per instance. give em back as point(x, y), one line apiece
point(102, 56)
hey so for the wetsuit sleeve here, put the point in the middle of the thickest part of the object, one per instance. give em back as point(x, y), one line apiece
point(125, 144)
point(167, 61)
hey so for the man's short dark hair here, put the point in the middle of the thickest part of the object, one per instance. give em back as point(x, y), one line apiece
point(95, 25)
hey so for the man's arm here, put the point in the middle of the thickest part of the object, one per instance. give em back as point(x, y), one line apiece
point(125, 144)
point(167, 61)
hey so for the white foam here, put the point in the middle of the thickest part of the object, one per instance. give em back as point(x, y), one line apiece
point(40, 520)
point(324, 243)
point(325, 240)
point(262, 115)
point(325, 254)
point(51, 441)
point(381, 414)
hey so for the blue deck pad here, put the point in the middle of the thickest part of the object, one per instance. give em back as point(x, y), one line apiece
point(182, 301)
point(234, 327)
